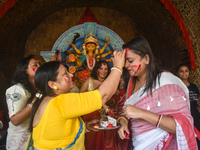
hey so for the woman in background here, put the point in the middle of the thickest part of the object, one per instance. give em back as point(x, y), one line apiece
point(183, 72)
point(20, 98)
point(103, 139)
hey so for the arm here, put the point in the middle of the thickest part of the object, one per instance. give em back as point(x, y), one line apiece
point(167, 123)
point(84, 87)
point(103, 48)
point(75, 48)
point(21, 116)
point(56, 56)
point(109, 86)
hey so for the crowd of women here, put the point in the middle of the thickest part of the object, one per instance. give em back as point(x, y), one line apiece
point(154, 108)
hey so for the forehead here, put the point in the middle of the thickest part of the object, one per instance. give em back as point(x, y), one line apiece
point(131, 54)
point(90, 44)
point(32, 60)
point(104, 65)
point(183, 67)
point(62, 68)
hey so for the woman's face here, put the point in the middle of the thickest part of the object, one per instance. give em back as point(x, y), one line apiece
point(103, 71)
point(32, 67)
point(135, 65)
point(183, 73)
point(64, 80)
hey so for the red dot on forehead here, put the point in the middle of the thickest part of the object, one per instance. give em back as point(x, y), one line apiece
point(127, 49)
point(104, 64)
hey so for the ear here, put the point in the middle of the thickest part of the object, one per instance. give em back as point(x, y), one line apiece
point(51, 84)
point(147, 58)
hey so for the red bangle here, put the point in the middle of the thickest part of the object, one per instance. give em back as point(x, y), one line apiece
point(158, 120)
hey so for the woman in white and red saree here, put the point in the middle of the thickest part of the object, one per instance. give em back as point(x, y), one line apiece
point(157, 104)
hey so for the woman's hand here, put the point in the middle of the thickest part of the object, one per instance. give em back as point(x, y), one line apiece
point(132, 112)
point(123, 130)
point(90, 125)
point(119, 58)
point(56, 56)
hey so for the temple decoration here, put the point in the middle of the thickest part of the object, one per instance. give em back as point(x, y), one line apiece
point(82, 45)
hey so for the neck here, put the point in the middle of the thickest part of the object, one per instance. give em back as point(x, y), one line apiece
point(31, 80)
point(101, 79)
point(186, 82)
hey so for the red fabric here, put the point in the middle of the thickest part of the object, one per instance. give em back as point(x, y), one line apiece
point(88, 16)
point(197, 132)
point(172, 9)
point(6, 6)
point(106, 139)
point(187, 129)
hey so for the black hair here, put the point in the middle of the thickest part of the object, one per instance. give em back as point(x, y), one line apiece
point(183, 64)
point(20, 76)
point(141, 47)
point(46, 72)
point(98, 64)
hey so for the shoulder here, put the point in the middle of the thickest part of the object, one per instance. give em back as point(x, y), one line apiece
point(193, 86)
point(17, 89)
point(168, 77)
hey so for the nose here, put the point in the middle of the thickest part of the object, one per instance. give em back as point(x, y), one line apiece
point(126, 64)
point(71, 75)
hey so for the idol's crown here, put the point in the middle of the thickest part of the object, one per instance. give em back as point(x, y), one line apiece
point(91, 38)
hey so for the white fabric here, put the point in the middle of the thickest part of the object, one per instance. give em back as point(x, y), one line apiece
point(17, 97)
point(166, 78)
point(155, 138)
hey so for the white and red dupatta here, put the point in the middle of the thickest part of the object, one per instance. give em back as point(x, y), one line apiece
point(170, 98)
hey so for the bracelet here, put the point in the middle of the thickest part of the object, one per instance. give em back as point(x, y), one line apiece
point(107, 110)
point(119, 68)
point(30, 105)
point(159, 119)
point(116, 69)
point(86, 127)
point(122, 117)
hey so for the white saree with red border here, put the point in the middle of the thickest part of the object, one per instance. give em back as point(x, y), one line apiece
point(170, 98)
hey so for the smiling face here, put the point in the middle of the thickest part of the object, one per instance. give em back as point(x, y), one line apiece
point(135, 64)
point(183, 73)
point(32, 67)
point(64, 80)
point(102, 71)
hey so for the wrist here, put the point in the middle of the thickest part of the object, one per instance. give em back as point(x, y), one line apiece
point(87, 130)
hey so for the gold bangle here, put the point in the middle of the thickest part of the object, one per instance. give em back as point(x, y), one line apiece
point(122, 117)
point(119, 68)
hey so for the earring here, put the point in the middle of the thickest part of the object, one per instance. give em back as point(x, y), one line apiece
point(55, 88)
point(147, 62)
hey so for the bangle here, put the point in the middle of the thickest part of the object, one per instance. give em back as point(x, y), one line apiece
point(107, 110)
point(86, 127)
point(30, 105)
point(119, 68)
point(116, 69)
point(122, 117)
point(159, 119)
